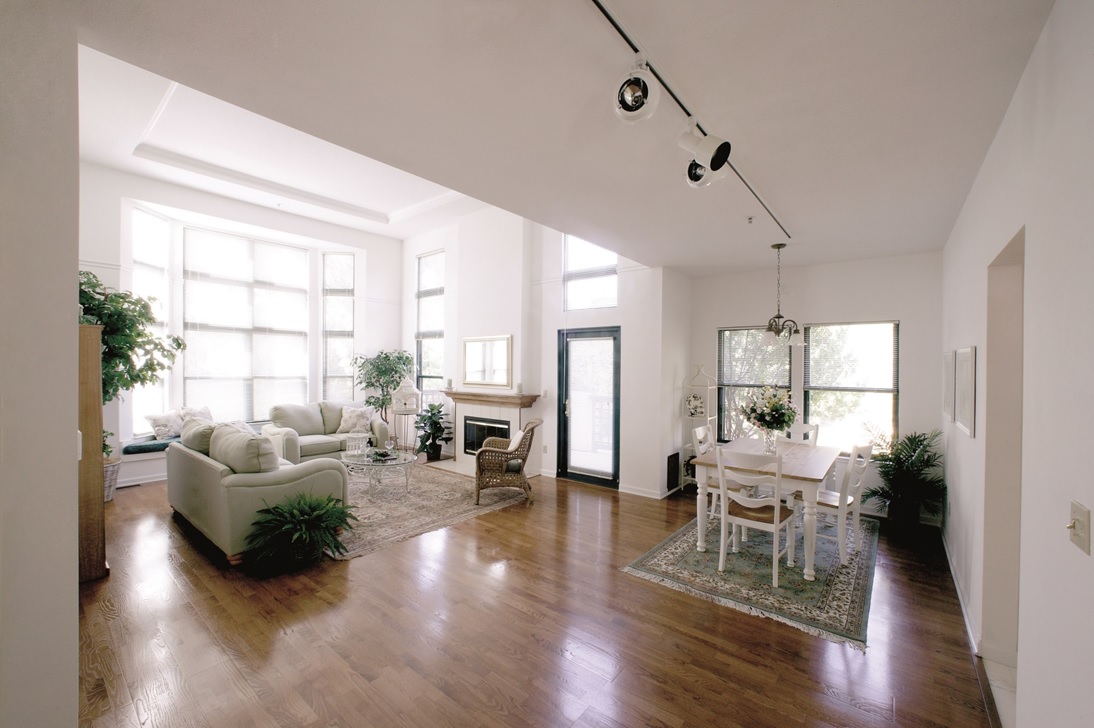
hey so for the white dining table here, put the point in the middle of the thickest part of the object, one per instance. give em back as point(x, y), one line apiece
point(805, 470)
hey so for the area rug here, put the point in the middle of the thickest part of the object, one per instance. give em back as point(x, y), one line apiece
point(389, 513)
point(836, 606)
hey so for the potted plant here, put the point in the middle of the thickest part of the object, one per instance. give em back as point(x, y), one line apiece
point(132, 354)
point(433, 429)
point(382, 372)
point(296, 532)
point(911, 478)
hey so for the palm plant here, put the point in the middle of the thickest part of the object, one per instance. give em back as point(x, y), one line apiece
point(911, 478)
point(297, 532)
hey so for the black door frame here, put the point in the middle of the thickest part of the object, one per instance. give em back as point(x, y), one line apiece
point(562, 467)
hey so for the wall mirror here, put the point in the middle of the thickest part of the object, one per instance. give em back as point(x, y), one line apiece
point(487, 360)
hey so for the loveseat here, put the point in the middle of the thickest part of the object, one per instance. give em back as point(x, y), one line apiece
point(220, 475)
point(302, 432)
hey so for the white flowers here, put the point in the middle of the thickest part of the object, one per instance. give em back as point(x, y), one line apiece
point(770, 409)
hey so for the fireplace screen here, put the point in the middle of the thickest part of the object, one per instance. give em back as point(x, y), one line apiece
point(477, 429)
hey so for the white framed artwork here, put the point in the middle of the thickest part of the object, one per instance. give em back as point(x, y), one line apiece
point(965, 390)
point(948, 363)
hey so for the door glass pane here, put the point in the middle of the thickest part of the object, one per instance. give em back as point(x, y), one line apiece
point(592, 407)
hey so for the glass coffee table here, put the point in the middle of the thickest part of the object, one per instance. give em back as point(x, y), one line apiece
point(379, 465)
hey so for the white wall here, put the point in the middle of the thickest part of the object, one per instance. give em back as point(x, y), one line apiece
point(1037, 175)
point(905, 289)
point(38, 293)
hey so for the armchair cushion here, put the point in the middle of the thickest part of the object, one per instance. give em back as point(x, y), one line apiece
point(331, 413)
point(306, 419)
point(242, 452)
point(196, 434)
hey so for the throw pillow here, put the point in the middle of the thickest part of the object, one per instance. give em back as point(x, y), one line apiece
point(242, 452)
point(354, 418)
point(515, 442)
point(202, 412)
point(167, 425)
point(196, 434)
point(331, 411)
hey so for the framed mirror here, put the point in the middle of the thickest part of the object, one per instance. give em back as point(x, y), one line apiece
point(487, 360)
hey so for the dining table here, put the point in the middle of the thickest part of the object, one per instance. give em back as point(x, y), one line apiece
point(805, 469)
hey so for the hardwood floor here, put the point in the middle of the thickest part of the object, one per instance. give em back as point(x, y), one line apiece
point(520, 617)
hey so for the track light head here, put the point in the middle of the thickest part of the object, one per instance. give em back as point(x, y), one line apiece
point(709, 151)
point(699, 176)
point(637, 94)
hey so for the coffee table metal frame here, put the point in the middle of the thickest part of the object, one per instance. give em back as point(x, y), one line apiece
point(361, 464)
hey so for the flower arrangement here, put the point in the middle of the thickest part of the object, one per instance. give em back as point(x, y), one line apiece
point(770, 409)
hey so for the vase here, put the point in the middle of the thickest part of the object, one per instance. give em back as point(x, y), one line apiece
point(771, 437)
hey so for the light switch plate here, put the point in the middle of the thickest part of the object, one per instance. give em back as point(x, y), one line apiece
point(1080, 526)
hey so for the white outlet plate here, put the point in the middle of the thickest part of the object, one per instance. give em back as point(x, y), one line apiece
point(1080, 526)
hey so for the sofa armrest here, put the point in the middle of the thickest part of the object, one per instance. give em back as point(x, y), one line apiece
point(284, 474)
point(285, 440)
point(380, 431)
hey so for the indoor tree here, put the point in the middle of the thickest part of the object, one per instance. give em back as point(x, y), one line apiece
point(382, 372)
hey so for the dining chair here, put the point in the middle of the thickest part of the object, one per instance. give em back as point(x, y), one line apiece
point(702, 441)
point(765, 512)
point(848, 501)
point(802, 433)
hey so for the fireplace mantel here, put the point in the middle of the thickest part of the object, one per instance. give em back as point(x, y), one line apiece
point(491, 399)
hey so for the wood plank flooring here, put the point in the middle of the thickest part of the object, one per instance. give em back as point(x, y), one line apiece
point(520, 617)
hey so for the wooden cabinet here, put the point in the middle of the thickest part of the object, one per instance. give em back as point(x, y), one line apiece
point(92, 559)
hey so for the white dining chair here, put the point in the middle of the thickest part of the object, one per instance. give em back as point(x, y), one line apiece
point(848, 501)
point(802, 433)
point(763, 512)
point(702, 441)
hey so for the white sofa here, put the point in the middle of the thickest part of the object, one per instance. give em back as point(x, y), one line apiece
point(219, 476)
point(302, 432)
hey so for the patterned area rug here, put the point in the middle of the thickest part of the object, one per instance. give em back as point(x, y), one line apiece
point(389, 513)
point(836, 606)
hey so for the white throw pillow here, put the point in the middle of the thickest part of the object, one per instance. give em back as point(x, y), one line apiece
point(354, 418)
point(515, 442)
point(196, 434)
point(187, 412)
point(166, 426)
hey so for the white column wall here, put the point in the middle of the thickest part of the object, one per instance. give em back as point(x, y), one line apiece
point(39, 196)
point(1037, 176)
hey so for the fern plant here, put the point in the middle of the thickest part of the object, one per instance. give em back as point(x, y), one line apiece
point(297, 532)
point(911, 477)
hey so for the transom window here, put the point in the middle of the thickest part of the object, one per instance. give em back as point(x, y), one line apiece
point(589, 276)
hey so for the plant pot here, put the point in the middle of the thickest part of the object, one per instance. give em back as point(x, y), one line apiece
point(433, 452)
point(111, 467)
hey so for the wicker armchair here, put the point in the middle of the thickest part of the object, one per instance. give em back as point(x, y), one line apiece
point(500, 465)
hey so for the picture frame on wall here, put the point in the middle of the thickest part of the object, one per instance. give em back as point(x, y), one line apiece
point(948, 363)
point(965, 390)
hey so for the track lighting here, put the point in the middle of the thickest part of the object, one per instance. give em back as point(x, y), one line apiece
point(637, 93)
point(709, 151)
point(699, 176)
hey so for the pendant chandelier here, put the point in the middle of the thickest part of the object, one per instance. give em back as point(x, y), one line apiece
point(777, 325)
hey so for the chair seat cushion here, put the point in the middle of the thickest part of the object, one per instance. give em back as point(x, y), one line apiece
point(830, 498)
point(319, 444)
point(763, 514)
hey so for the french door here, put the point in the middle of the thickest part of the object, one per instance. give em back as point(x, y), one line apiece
point(588, 413)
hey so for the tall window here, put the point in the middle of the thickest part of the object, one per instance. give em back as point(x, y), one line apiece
point(151, 258)
point(851, 381)
point(337, 326)
point(245, 321)
point(845, 379)
point(429, 336)
point(745, 365)
point(589, 276)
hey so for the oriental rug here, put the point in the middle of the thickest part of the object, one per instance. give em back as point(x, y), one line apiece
point(835, 606)
point(389, 512)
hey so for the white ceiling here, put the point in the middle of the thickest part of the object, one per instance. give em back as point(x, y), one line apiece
point(860, 123)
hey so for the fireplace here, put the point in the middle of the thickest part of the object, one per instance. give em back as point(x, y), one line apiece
point(477, 429)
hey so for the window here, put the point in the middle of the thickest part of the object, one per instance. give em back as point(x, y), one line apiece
point(745, 365)
point(429, 337)
point(850, 381)
point(845, 379)
point(338, 326)
point(589, 276)
point(245, 322)
point(151, 258)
